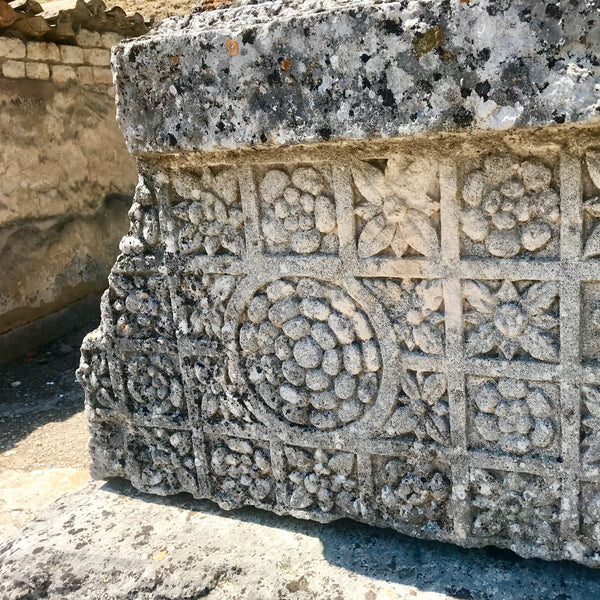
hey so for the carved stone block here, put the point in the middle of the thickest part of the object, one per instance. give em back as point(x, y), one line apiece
point(403, 332)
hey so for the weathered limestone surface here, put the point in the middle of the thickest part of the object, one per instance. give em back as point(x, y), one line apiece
point(67, 178)
point(402, 331)
point(66, 185)
point(307, 70)
point(109, 542)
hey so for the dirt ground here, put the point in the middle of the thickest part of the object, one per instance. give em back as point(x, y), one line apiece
point(158, 8)
point(150, 8)
point(43, 435)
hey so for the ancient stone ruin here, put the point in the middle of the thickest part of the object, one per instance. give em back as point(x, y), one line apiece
point(361, 278)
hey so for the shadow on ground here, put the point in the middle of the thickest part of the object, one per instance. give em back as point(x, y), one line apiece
point(49, 392)
point(41, 387)
point(388, 556)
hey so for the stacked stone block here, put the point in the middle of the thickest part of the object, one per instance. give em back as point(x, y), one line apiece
point(328, 320)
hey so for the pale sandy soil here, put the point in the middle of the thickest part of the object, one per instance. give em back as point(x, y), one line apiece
point(157, 8)
point(150, 8)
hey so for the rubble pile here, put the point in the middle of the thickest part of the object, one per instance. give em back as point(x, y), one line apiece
point(28, 19)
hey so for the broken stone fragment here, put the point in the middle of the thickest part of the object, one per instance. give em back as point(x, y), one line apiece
point(8, 15)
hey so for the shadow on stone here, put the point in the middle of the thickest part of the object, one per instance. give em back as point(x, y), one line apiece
point(387, 556)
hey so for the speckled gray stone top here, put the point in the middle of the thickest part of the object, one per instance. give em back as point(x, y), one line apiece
point(288, 72)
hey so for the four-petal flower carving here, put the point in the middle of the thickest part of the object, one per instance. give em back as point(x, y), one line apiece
point(396, 216)
point(424, 411)
point(509, 322)
point(416, 308)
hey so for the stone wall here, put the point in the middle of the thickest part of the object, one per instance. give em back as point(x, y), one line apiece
point(88, 62)
point(67, 177)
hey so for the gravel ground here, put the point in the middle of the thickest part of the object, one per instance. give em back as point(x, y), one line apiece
point(39, 395)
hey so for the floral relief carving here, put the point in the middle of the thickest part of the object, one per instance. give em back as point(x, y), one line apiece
point(241, 472)
point(161, 460)
point(311, 353)
point(401, 383)
point(144, 231)
point(416, 309)
point(207, 213)
point(141, 305)
point(512, 208)
point(154, 387)
point(298, 211)
point(513, 415)
point(203, 300)
point(516, 507)
point(415, 490)
point(512, 319)
point(321, 480)
point(397, 213)
point(591, 207)
point(423, 408)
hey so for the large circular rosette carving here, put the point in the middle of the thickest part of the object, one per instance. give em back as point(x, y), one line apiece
point(310, 353)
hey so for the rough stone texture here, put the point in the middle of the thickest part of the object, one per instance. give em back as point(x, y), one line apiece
point(308, 70)
point(402, 332)
point(43, 51)
point(13, 48)
point(66, 184)
point(109, 542)
point(388, 333)
point(13, 69)
point(63, 73)
point(71, 54)
point(35, 70)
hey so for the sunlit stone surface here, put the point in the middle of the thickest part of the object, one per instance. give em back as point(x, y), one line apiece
point(400, 331)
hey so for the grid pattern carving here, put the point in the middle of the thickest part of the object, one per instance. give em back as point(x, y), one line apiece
point(373, 347)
